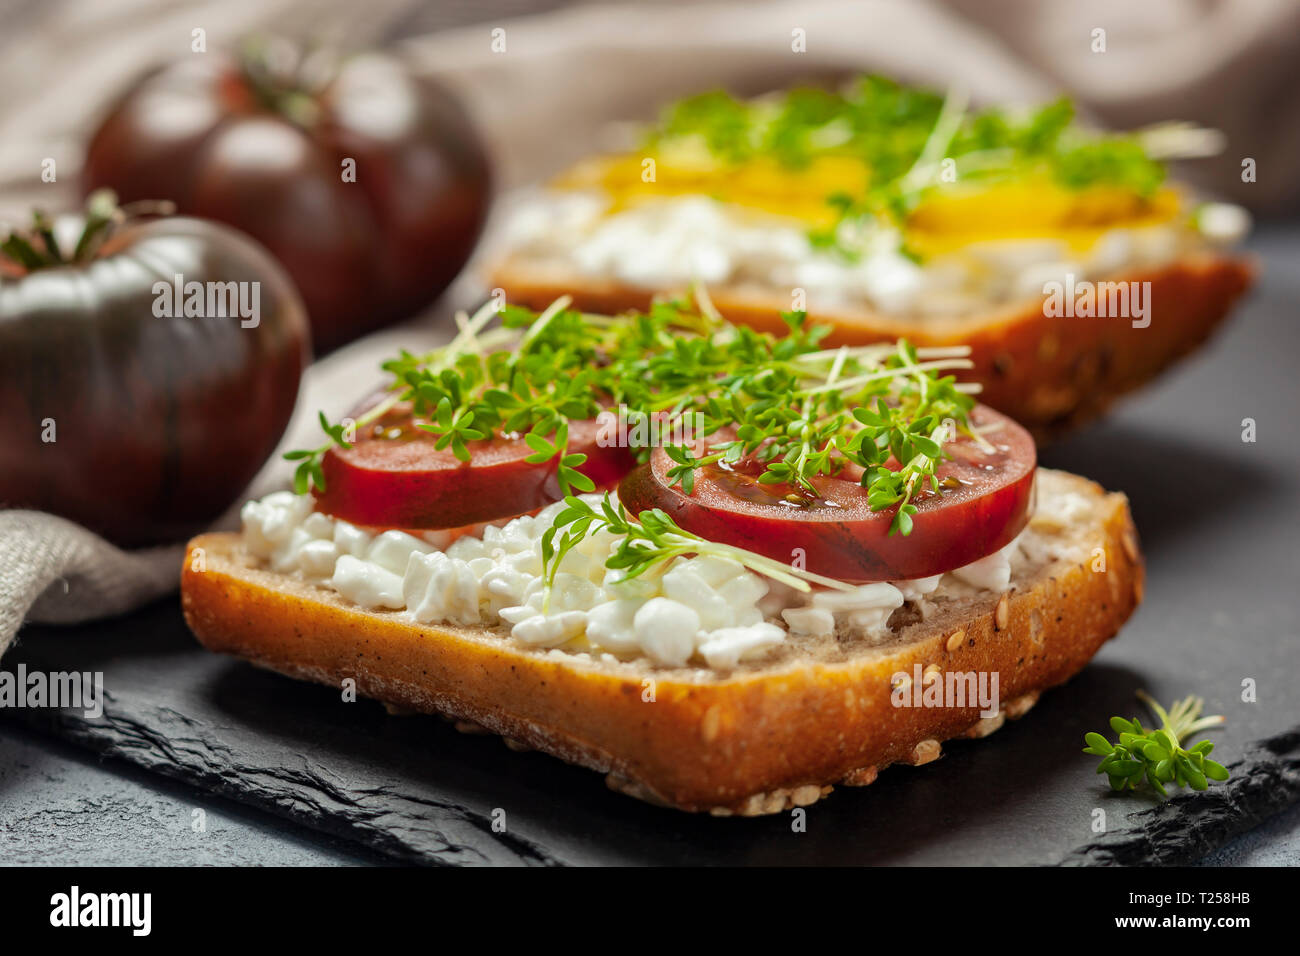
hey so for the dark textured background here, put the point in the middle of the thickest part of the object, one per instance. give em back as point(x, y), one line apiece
point(1218, 520)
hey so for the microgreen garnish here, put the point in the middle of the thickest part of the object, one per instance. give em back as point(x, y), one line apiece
point(811, 414)
point(902, 135)
point(1157, 757)
point(437, 384)
point(544, 450)
point(308, 471)
point(649, 542)
point(782, 404)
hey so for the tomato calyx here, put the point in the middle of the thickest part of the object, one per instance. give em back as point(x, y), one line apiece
point(38, 248)
point(287, 79)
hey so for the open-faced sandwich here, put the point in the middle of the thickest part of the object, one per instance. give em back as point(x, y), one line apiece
point(726, 568)
point(1060, 256)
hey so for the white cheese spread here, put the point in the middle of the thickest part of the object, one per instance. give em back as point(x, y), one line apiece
point(671, 242)
point(704, 609)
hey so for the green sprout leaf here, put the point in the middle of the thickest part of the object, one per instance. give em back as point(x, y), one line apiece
point(1156, 758)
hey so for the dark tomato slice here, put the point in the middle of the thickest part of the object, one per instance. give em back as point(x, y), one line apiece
point(394, 477)
point(985, 501)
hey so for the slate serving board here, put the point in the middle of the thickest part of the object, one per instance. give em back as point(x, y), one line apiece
point(1218, 519)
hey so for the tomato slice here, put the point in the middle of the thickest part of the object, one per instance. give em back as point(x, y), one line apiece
point(985, 501)
point(393, 476)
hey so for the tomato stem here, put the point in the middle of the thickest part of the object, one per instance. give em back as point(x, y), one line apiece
point(285, 79)
point(37, 248)
point(20, 250)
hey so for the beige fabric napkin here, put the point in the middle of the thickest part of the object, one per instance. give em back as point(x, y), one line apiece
point(562, 78)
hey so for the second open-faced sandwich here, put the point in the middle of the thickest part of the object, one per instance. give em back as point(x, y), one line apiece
point(1062, 257)
point(726, 568)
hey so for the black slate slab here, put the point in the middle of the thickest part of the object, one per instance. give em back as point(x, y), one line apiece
point(415, 788)
point(64, 806)
point(1218, 518)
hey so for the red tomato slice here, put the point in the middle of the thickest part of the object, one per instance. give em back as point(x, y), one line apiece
point(394, 477)
point(985, 502)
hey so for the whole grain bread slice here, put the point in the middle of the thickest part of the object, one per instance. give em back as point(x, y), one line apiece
point(759, 738)
point(1050, 373)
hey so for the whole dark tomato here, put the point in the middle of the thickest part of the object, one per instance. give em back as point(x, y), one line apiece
point(366, 181)
point(148, 367)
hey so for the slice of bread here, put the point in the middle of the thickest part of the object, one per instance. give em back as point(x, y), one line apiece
point(759, 738)
point(1049, 373)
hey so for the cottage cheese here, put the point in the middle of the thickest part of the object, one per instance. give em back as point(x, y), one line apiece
point(703, 610)
point(698, 608)
point(674, 241)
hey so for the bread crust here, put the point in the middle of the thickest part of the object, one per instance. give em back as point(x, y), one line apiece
point(1051, 374)
point(757, 739)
